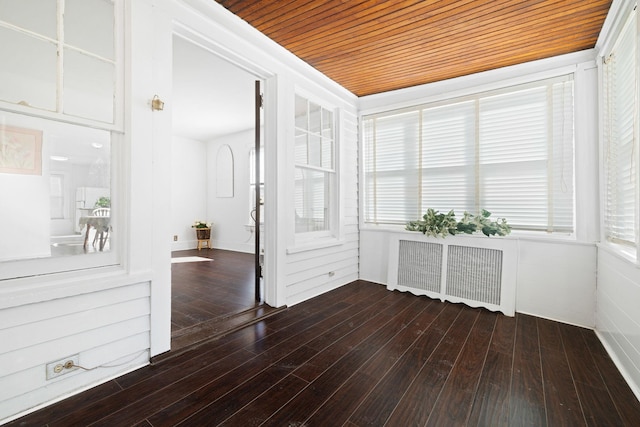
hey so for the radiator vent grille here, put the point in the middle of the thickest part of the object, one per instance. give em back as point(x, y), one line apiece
point(420, 265)
point(474, 273)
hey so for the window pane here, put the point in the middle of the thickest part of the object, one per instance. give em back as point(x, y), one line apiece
point(57, 196)
point(301, 149)
point(89, 25)
point(89, 86)
point(315, 118)
point(82, 156)
point(311, 197)
point(22, 13)
point(391, 168)
point(28, 70)
point(301, 113)
point(315, 150)
point(314, 159)
point(448, 158)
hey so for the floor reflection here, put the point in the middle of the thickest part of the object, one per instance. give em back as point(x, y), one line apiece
point(74, 245)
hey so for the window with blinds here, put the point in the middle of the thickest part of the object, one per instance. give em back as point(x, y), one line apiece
point(508, 151)
point(620, 137)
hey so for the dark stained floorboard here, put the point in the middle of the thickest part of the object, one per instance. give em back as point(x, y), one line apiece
point(361, 355)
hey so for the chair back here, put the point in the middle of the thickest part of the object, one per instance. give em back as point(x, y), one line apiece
point(101, 212)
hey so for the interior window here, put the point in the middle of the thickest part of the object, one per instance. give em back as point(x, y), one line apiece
point(54, 177)
point(59, 110)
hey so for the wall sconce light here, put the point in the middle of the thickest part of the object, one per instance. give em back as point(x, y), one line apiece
point(156, 104)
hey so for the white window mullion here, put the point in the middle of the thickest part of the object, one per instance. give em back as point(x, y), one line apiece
point(550, 161)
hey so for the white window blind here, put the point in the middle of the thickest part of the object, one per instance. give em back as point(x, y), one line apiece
point(509, 152)
point(620, 137)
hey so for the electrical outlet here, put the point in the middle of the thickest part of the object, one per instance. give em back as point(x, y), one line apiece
point(175, 237)
point(62, 366)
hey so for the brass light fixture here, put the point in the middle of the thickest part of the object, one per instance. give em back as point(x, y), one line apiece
point(157, 104)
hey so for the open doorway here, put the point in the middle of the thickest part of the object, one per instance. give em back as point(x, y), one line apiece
point(213, 181)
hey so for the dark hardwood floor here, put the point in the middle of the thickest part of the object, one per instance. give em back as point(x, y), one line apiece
point(361, 355)
point(211, 298)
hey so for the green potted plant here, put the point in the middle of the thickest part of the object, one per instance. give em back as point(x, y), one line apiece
point(436, 224)
point(203, 229)
point(103, 202)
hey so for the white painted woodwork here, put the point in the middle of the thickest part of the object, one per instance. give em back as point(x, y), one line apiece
point(617, 314)
point(109, 327)
point(508, 249)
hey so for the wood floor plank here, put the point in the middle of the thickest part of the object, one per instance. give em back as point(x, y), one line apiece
point(263, 407)
point(561, 398)
point(297, 410)
point(456, 399)
point(353, 334)
point(285, 353)
point(491, 402)
point(213, 380)
point(411, 403)
point(213, 403)
point(353, 391)
point(624, 399)
point(526, 403)
point(582, 364)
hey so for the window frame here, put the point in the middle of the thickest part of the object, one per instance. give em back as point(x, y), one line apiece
point(24, 270)
point(624, 248)
point(117, 123)
point(308, 240)
point(473, 95)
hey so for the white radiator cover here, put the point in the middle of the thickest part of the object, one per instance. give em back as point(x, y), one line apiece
point(475, 270)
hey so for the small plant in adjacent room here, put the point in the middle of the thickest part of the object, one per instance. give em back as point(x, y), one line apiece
point(103, 202)
point(201, 224)
point(436, 224)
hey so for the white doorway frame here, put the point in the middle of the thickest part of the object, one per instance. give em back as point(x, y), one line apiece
point(269, 79)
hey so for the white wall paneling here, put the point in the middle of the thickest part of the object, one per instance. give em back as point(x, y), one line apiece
point(110, 327)
point(617, 314)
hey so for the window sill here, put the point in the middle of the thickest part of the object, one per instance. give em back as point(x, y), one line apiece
point(533, 236)
point(624, 253)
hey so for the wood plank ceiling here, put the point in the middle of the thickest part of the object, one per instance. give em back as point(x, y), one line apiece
point(372, 46)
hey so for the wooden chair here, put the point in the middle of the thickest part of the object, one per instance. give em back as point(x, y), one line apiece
point(102, 234)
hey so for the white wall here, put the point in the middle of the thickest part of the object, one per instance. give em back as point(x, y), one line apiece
point(189, 190)
point(618, 317)
point(231, 214)
point(24, 202)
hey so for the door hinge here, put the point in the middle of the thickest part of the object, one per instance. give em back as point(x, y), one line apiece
point(261, 100)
